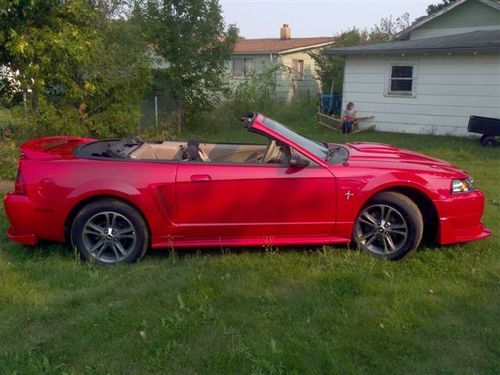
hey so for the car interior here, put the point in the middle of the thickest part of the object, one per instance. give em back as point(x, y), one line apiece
point(274, 152)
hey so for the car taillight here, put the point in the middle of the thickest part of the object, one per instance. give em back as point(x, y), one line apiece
point(20, 185)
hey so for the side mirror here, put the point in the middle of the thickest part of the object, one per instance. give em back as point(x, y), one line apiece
point(297, 162)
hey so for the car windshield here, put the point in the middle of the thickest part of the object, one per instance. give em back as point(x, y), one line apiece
point(320, 149)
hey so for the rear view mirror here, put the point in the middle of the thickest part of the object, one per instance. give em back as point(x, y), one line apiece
point(297, 162)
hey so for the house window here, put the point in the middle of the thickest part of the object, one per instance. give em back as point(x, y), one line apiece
point(242, 67)
point(298, 69)
point(401, 81)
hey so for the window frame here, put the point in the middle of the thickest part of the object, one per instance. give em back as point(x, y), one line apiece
point(389, 79)
point(296, 74)
point(246, 72)
point(313, 163)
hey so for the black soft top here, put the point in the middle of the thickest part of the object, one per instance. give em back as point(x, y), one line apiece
point(109, 148)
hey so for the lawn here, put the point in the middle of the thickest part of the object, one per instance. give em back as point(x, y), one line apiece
point(263, 311)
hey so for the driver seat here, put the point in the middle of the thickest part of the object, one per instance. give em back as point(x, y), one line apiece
point(270, 152)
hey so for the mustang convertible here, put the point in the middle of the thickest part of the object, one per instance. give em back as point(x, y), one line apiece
point(114, 199)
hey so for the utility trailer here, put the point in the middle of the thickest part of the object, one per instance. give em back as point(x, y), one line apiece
point(489, 127)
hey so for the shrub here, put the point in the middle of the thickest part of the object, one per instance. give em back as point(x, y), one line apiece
point(9, 155)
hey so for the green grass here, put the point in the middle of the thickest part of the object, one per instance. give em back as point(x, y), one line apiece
point(262, 311)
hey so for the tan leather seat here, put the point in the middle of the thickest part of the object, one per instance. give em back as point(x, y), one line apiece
point(209, 152)
point(271, 153)
point(145, 152)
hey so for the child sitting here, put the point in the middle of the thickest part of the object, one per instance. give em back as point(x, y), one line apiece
point(348, 117)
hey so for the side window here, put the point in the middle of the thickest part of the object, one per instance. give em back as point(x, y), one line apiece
point(272, 153)
point(401, 80)
point(279, 153)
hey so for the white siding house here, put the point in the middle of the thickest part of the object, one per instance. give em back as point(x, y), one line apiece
point(430, 84)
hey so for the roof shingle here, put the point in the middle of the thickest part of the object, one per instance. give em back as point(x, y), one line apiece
point(276, 45)
point(476, 41)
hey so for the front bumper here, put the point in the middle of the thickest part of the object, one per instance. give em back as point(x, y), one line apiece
point(460, 218)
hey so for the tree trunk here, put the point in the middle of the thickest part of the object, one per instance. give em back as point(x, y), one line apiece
point(180, 115)
point(34, 104)
point(25, 101)
point(81, 108)
point(34, 101)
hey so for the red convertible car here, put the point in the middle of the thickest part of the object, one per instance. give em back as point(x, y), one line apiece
point(114, 199)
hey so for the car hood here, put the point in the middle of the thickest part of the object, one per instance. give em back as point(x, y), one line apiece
point(373, 153)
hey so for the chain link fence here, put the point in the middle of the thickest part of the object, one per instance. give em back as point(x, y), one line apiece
point(11, 122)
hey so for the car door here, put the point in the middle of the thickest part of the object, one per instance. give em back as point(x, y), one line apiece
point(238, 200)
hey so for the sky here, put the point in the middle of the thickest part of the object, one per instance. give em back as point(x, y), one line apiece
point(263, 18)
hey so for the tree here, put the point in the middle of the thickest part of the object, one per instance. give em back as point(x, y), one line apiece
point(83, 68)
point(330, 70)
point(434, 8)
point(107, 100)
point(43, 40)
point(10, 92)
point(388, 27)
point(257, 89)
point(191, 38)
point(111, 9)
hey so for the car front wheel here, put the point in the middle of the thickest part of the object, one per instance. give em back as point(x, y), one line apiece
point(109, 232)
point(390, 226)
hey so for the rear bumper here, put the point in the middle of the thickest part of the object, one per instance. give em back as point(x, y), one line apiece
point(21, 215)
point(460, 218)
point(31, 220)
point(25, 239)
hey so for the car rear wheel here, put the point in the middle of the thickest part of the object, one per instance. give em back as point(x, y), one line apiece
point(390, 226)
point(109, 232)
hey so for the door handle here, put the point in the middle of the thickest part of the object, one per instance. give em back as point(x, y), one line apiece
point(200, 178)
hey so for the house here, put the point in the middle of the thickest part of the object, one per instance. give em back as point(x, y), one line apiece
point(254, 56)
point(437, 73)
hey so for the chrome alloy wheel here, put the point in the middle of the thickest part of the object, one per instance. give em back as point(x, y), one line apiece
point(381, 229)
point(109, 237)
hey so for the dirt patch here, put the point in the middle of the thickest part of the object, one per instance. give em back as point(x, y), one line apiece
point(5, 186)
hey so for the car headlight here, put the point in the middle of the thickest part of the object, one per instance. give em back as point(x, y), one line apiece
point(462, 186)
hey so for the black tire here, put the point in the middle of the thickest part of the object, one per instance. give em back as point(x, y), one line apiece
point(389, 226)
point(109, 231)
point(488, 141)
